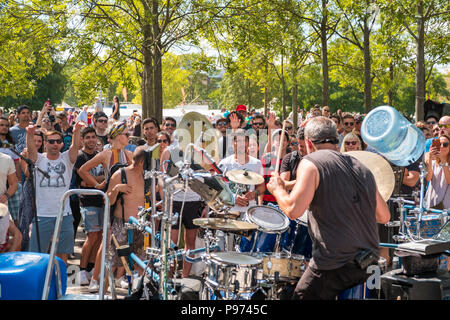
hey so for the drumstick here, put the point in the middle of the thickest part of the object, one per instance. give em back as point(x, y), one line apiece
point(124, 262)
point(277, 165)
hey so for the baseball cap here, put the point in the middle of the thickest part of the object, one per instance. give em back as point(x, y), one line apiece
point(19, 109)
point(241, 107)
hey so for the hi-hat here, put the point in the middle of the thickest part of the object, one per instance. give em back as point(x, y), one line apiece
point(228, 225)
point(244, 177)
point(380, 168)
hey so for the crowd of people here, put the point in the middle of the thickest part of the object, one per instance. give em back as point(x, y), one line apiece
point(46, 153)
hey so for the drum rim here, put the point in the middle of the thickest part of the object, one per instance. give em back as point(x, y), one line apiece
point(211, 257)
point(284, 255)
point(286, 219)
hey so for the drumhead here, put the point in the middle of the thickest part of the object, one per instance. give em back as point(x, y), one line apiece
point(268, 219)
point(235, 258)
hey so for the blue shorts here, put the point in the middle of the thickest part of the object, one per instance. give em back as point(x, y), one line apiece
point(46, 230)
point(93, 218)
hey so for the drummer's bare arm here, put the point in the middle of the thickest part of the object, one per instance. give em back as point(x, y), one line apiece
point(382, 212)
point(295, 203)
point(411, 177)
point(286, 176)
point(260, 191)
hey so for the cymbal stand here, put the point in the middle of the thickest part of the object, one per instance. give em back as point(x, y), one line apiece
point(423, 174)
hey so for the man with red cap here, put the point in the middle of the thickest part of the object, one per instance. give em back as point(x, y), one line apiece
point(242, 110)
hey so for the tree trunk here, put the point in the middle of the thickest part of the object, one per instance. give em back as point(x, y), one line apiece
point(294, 107)
point(420, 64)
point(324, 49)
point(367, 69)
point(157, 60)
point(265, 101)
point(147, 75)
point(391, 77)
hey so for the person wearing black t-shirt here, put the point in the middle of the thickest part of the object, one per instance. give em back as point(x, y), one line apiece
point(91, 206)
point(101, 126)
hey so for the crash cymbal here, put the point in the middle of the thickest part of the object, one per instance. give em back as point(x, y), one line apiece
point(3, 210)
point(244, 177)
point(195, 128)
point(380, 168)
point(224, 224)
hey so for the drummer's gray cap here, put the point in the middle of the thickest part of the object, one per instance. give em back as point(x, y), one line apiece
point(321, 128)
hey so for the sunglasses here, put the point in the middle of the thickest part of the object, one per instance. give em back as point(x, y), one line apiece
point(162, 141)
point(349, 123)
point(446, 126)
point(431, 122)
point(444, 144)
point(353, 143)
point(258, 123)
point(102, 121)
point(127, 134)
point(173, 125)
point(53, 141)
point(288, 128)
point(221, 124)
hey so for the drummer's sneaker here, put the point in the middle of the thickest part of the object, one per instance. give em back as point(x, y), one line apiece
point(84, 277)
point(93, 286)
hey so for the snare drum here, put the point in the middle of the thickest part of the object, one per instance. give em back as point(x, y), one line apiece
point(289, 268)
point(233, 271)
point(271, 224)
point(429, 225)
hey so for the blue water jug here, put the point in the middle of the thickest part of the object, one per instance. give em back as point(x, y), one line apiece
point(394, 137)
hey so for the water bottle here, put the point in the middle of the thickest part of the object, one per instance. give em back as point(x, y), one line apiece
point(394, 137)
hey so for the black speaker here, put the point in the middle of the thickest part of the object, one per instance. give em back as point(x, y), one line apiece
point(435, 109)
point(428, 286)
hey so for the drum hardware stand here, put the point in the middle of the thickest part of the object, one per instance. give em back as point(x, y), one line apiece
point(423, 174)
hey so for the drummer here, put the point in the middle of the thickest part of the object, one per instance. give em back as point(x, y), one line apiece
point(345, 206)
point(241, 160)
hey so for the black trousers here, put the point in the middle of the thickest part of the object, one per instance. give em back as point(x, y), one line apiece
point(327, 284)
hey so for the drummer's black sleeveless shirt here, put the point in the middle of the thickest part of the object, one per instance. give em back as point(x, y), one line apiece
point(342, 218)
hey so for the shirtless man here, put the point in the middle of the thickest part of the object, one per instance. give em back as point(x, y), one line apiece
point(133, 197)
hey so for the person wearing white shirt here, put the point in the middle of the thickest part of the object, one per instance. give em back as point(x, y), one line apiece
point(51, 187)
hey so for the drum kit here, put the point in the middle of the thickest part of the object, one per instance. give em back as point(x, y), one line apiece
point(264, 251)
point(264, 260)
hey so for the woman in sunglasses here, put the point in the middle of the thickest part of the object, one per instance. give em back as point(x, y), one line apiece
point(163, 138)
point(438, 173)
point(351, 142)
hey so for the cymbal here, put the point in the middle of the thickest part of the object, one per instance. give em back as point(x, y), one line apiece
point(380, 168)
point(245, 177)
point(195, 128)
point(226, 215)
point(224, 224)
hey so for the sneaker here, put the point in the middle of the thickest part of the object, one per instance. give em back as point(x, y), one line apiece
point(121, 283)
point(84, 278)
point(93, 286)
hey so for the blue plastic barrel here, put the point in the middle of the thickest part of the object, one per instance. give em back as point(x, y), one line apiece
point(393, 136)
point(22, 276)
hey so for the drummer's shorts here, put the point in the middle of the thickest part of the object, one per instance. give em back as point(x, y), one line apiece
point(192, 210)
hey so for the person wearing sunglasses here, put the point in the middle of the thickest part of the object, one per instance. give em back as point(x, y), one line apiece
point(440, 128)
point(351, 142)
point(163, 138)
point(437, 161)
point(431, 121)
point(348, 122)
point(101, 126)
point(112, 154)
point(169, 125)
point(51, 187)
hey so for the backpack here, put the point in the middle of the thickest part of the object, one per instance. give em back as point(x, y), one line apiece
point(123, 179)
